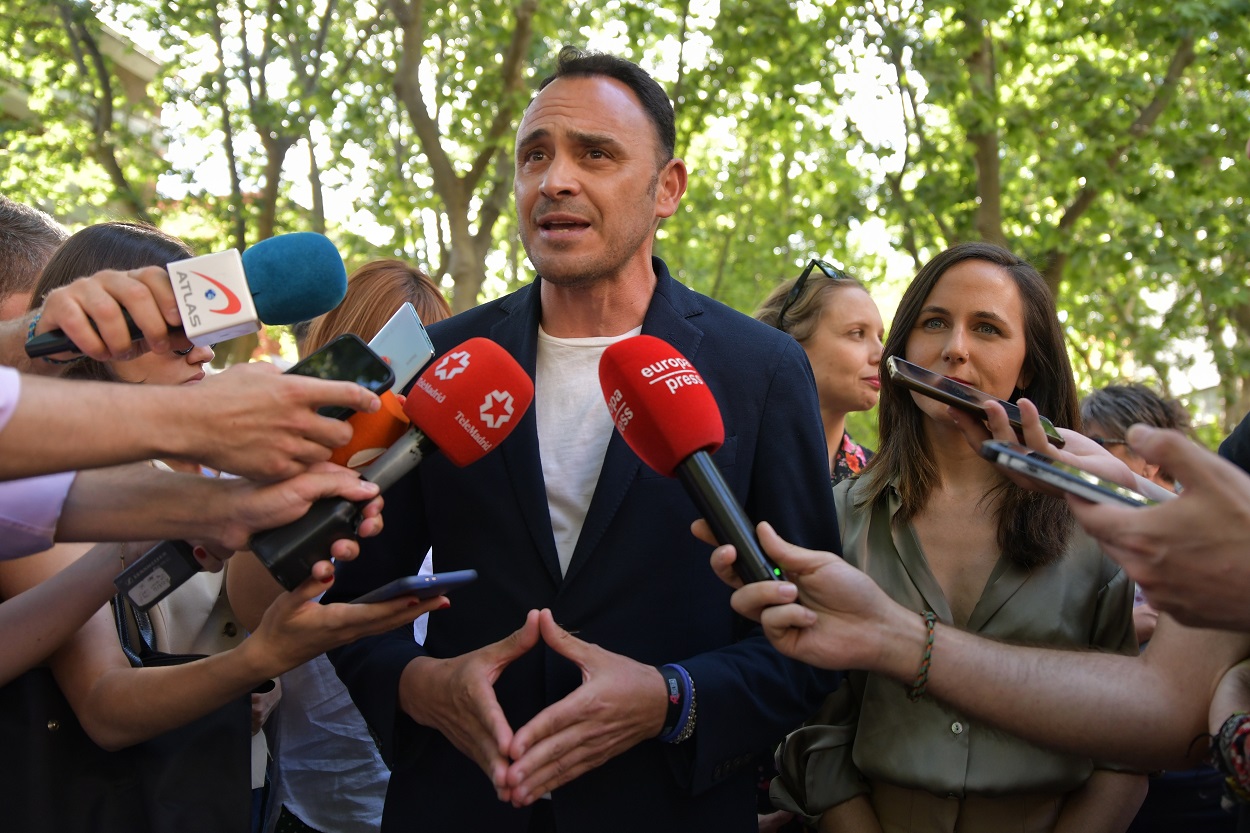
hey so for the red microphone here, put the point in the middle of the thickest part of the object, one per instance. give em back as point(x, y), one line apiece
point(668, 416)
point(463, 405)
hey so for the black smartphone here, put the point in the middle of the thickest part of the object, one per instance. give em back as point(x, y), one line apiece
point(346, 359)
point(423, 587)
point(1053, 472)
point(961, 396)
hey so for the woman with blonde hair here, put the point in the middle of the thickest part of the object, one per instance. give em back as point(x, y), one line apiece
point(374, 292)
point(839, 327)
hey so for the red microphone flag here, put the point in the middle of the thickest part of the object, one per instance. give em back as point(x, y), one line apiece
point(659, 402)
point(470, 400)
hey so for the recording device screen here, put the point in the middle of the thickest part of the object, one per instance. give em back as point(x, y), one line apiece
point(959, 395)
point(1053, 472)
point(346, 359)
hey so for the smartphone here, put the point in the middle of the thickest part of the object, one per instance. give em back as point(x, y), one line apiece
point(404, 344)
point(1061, 475)
point(423, 587)
point(347, 359)
point(962, 396)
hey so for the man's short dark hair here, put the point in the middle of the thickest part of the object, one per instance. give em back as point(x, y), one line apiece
point(574, 63)
point(28, 237)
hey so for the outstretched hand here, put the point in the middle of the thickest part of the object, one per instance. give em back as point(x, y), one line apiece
point(297, 628)
point(620, 703)
point(1078, 450)
point(827, 614)
point(252, 507)
point(270, 417)
point(1191, 555)
point(90, 312)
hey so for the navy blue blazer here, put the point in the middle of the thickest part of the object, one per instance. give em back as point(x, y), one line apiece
point(639, 584)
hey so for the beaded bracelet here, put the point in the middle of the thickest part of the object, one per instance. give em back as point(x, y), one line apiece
point(679, 684)
point(922, 676)
point(1228, 751)
point(30, 333)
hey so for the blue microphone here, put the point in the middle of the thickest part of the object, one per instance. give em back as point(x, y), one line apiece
point(282, 280)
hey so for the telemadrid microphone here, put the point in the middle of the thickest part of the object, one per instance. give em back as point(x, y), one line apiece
point(665, 412)
point(282, 280)
point(463, 405)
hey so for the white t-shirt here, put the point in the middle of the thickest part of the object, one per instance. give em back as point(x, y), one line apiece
point(573, 429)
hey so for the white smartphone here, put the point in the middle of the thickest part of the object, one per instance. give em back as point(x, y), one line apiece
point(422, 586)
point(1061, 475)
point(404, 344)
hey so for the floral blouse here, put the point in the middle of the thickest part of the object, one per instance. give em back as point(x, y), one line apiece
point(849, 461)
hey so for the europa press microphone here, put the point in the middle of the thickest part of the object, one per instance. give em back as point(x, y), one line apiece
point(282, 280)
point(665, 412)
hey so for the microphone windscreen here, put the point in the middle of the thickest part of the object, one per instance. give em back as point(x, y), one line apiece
point(372, 433)
point(659, 402)
point(469, 400)
point(294, 277)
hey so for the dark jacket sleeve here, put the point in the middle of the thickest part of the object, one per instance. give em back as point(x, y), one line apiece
point(749, 696)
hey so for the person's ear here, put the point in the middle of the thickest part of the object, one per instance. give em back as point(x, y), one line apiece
point(669, 188)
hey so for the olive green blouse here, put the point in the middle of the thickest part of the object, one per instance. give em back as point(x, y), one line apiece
point(1083, 601)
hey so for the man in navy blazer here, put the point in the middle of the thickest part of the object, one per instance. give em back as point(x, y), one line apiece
point(541, 698)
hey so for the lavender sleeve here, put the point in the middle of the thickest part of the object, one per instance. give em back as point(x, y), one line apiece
point(29, 508)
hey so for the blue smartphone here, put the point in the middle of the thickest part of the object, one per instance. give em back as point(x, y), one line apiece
point(423, 587)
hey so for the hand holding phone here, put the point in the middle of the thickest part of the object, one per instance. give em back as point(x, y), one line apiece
point(420, 586)
point(346, 359)
point(1068, 478)
point(964, 397)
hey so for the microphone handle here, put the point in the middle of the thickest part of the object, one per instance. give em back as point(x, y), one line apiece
point(401, 458)
point(55, 341)
point(730, 525)
point(290, 551)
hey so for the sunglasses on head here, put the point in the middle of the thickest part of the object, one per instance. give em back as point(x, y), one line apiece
point(831, 272)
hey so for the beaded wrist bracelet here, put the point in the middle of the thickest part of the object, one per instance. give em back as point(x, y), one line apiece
point(680, 720)
point(1228, 751)
point(922, 676)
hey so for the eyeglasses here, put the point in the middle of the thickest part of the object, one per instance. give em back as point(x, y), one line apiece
point(796, 291)
point(1106, 441)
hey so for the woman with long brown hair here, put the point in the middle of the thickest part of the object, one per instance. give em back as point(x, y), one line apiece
point(945, 533)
